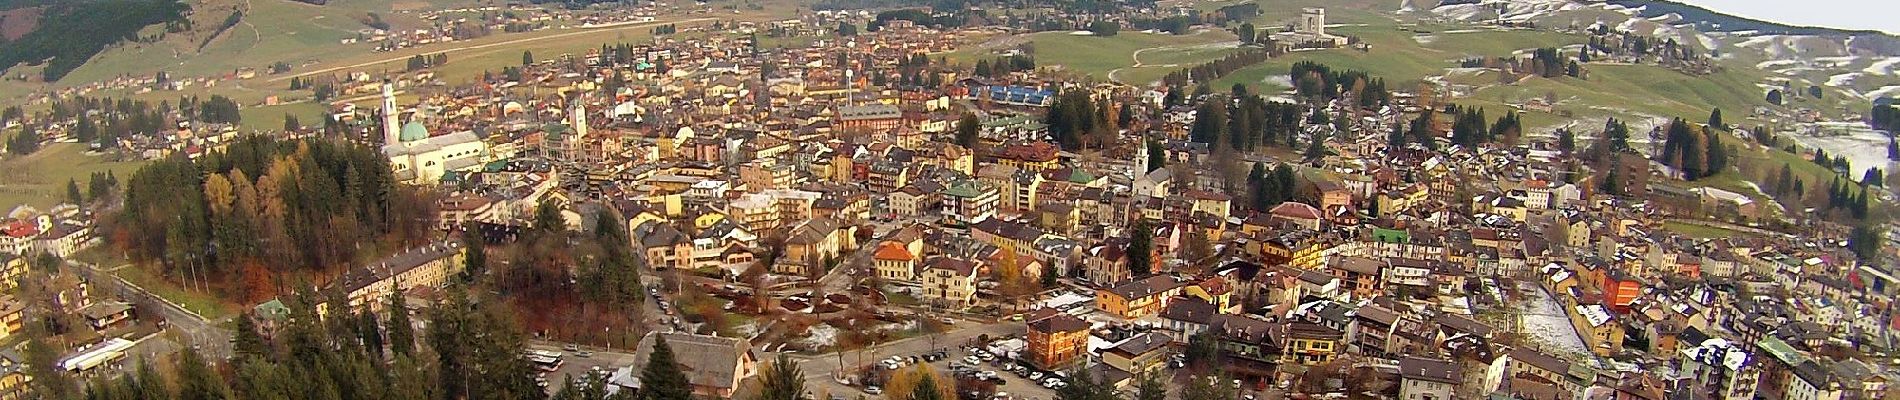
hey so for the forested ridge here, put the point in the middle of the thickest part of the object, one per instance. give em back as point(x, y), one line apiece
point(70, 33)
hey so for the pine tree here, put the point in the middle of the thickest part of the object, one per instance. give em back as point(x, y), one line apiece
point(1873, 177)
point(1140, 249)
point(781, 380)
point(1715, 120)
point(662, 379)
point(967, 127)
point(197, 381)
point(1566, 141)
point(926, 389)
point(1157, 156)
point(527, 58)
point(401, 334)
point(370, 331)
point(249, 344)
point(42, 366)
point(1785, 184)
point(475, 263)
point(72, 192)
point(1149, 387)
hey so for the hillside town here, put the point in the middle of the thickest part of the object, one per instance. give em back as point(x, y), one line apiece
point(863, 204)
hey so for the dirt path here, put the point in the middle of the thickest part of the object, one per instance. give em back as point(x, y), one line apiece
point(581, 31)
point(1136, 56)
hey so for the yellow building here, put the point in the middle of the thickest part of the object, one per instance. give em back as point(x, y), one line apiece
point(895, 263)
point(950, 281)
point(12, 267)
point(1308, 343)
point(431, 265)
point(1215, 291)
point(1138, 298)
point(1140, 354)
point(12, 316)
point(13, 378)
point(1212, 203)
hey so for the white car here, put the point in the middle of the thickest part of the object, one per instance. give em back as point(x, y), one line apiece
point(874, 390)
point(972, 360)
point(1035, 376)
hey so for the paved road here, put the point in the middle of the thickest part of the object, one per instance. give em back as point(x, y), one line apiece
point(188, 328)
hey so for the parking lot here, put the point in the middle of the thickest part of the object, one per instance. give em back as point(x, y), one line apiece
point(956, 362)
point(579, 363)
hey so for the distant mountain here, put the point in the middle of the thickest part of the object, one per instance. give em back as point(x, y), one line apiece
point(1707, 20)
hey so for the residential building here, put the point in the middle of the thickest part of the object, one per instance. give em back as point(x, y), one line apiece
point(1428, 378)
point(714, 366)
point(949, 281)
point(427, 266)
point(1138, 298)
point(1144, 353)
point(1056, 339)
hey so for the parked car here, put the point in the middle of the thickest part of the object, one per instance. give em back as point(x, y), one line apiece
point(1035, 376)
point(874, 390)
point(571, 347)
point(583, 354)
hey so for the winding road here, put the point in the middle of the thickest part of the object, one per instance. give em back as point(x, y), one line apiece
point(1112, 74)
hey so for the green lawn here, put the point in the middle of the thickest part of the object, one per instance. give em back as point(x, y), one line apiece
point(272, 117)
point(1702, 232)
point(897, 298)
point(39, 179)
point(203, 303)
point(1096, 56)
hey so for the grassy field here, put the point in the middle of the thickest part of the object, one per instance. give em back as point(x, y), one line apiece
point(1096, 56)
point(39, 179)
point(205, 304)
point(1702, 232)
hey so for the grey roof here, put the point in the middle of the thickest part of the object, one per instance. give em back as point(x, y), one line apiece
point(708, 361)
point(1430, 369)
point(386, 268)
point(1141, 344)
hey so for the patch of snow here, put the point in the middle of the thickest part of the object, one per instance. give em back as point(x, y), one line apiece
point(1838, 59)
point(1424, 39)
point(1285, 81)
point(1706, 41)
point(1864, 147)
point(1772, 64)
point(1082, 33)
point(1797, 70)
point(1547, 323)
point(1464, 11)
point(1468, 31)
point(821, 336)
point(1843, 80)
point(1882, 67)
point(1883, 91)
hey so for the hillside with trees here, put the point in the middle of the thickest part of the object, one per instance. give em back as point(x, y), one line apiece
point(71, 33)
point(263, 210)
